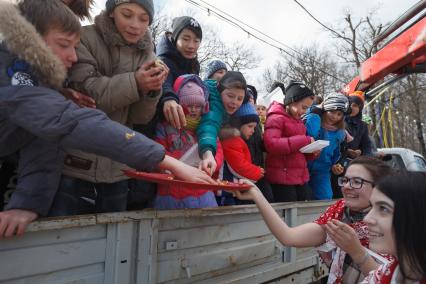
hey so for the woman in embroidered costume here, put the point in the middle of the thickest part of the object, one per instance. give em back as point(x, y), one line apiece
point(340, 231)
point(397, 226)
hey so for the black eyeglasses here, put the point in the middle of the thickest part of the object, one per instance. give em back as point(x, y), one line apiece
point(355, 182)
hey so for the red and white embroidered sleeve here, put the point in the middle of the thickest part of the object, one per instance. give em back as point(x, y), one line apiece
point(335, 211)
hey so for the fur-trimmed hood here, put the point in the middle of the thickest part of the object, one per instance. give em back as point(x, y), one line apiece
point(21, 38)
point(105, 26)
point(228, 132)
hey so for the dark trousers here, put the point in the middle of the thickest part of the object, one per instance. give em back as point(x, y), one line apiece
point(288, 193)
point(337, 191)
point(8, 180)
point(74, 195)
point(266, 189)
point(38, 164)
point(141, 194)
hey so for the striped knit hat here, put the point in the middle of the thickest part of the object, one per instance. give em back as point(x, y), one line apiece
point(335, 101)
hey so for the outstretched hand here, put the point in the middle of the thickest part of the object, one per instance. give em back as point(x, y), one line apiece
point(184, 171)
point(174, 114)
point(191, 174)
point(13, 222)
point(208, 163)
point(250, 194)
point(344, 236)
point(78, 98)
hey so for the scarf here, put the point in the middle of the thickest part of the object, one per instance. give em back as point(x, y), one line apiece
point(192, 123)
point(335, 257)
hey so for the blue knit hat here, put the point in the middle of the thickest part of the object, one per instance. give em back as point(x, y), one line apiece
point(212, 67)
point(245, 114)
point(148, 5)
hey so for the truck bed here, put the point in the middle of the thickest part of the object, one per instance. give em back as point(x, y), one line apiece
point(218, 245)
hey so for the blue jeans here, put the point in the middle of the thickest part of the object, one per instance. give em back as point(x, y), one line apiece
point(108, 197)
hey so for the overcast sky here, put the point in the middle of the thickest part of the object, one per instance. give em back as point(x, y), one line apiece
point(283, 20)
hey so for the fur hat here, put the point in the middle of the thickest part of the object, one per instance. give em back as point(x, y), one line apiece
point(296, 91)
point(192, 91)
point(214, 66)
point(180, 23)
point(245, 114)
point(148, 5)
point(336, 101)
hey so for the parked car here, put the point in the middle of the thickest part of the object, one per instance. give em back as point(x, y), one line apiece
point(405, 159)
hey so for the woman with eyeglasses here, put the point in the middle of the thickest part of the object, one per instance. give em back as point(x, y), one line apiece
point(397, 226)
point(339, 233)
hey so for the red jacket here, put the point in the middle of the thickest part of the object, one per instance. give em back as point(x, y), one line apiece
point(237, 155)
point(283, 137)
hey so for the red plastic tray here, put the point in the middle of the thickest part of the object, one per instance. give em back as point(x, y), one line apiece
point(171, 180)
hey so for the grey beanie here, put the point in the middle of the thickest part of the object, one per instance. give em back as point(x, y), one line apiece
point(336, 101)
point(180, 23)
point(213, 66)
point(148, 5)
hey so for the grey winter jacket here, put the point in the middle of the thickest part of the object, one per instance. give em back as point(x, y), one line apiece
point(69, 126)
point(31, 63)
point(106, 71)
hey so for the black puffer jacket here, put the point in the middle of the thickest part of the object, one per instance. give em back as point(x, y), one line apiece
point(177, 64)
point(359, 130)
point(256, 147)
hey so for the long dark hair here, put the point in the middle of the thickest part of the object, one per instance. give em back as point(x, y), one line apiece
point(81, 8)
point(408, 192)
point(377, 168)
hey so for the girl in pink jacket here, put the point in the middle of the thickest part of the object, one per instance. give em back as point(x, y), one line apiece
point(285, 134)
point(193, 96)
